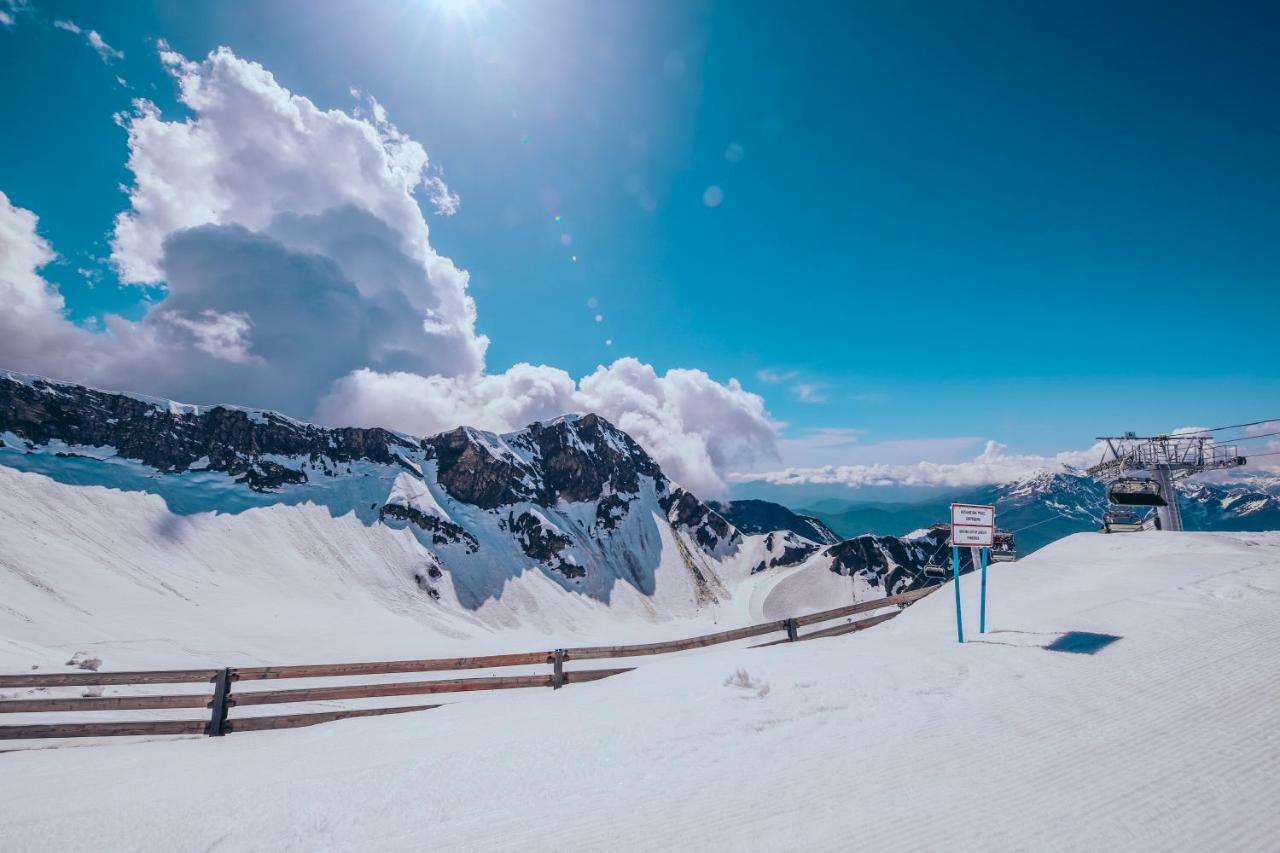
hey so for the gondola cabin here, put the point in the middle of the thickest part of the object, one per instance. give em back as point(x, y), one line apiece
point(1135, 491)
point(1122, 521)
point(1002, 547)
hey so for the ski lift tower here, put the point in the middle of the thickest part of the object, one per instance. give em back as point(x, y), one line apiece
point(1167, 458)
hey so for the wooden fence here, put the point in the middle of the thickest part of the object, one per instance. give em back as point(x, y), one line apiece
point(221, 698)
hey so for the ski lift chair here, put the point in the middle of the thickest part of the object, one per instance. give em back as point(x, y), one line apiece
point(1002, 547)
point(1121, 521)
point(1135, 491)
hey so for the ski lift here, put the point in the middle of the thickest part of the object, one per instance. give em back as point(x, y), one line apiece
point(1135, 491)
point(1122, 521)
point(1002, 547)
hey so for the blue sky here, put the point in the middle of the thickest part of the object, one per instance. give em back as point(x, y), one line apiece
point(933, 224)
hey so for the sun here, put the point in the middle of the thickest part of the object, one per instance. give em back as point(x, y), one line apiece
point(466, 11)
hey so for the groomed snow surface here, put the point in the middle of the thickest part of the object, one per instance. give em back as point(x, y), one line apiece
point(895, 738)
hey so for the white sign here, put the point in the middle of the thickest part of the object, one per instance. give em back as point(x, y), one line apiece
point(978, 537)
point(973, 525)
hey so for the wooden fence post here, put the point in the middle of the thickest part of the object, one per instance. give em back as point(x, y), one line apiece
point(557, 671)
point(221, 690)
point(793, 630)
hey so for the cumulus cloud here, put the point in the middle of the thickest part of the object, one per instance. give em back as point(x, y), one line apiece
point(694, 426)
point(992, 465)
point(223, 336)
point(33, 329)
point(297, 273)
point(105, 51)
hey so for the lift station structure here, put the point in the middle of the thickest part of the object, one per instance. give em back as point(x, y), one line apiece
point(1158, 461)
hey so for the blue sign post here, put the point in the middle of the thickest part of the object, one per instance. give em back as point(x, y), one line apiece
point(955, 581)
point(974, 526)
point(982, 611)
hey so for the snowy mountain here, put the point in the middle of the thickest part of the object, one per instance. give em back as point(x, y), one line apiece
point(1045, 506)
point(1048, 506)
point(177, 515)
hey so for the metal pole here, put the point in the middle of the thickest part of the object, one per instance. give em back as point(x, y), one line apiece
point(955, 579)
point(982, 610)
point(1171, 514)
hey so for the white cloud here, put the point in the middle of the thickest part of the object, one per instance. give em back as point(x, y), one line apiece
point(805, 392)
point(223, 336)
point(694, 426)
point(105, 51)
point(445, 202)
point(774, 377)
point(993, 465)
point(13, 8)
point(318, 181)
point(299, 275)
point(33, 330)
point(809, 392)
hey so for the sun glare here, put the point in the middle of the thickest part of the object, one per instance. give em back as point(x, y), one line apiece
point(466, 11)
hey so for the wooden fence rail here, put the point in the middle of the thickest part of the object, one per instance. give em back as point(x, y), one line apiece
point(223, 697)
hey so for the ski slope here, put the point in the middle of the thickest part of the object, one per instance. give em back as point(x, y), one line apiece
point(117, 574)
point(896, 738)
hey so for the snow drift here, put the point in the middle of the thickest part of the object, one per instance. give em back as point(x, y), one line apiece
point(897, 738)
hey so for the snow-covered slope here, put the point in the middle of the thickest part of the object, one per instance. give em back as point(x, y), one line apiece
point(153, 533)
point(1165, 737)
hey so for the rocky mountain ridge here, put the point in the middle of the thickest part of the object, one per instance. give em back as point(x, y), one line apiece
point(573, 498)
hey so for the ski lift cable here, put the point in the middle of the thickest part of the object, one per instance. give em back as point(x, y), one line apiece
point(1249, 437)
point(1221, 428)
point(1054, 517)
point(1043, 521)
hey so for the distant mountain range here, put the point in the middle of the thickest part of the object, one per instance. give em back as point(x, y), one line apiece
point(1047, 506)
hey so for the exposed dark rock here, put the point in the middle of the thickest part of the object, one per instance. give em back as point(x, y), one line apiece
point(442, 532)
point(755, 516)
point(897, 564)
point(574, 459)
point(544, 544)
point(582, 456)
point(795, 550)
point(610, 510)
point(473, 472)
point(708, 528)
point(173, 439)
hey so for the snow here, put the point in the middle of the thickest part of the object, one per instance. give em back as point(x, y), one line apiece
point(413, 493)
point(896, 738)
point(179, 570)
